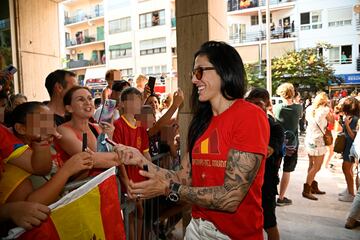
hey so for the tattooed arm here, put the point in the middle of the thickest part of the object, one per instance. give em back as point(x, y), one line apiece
point(241, 170)
point(132, 156)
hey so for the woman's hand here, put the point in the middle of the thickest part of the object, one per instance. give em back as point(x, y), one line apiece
point(129, 155)
point(147, 92)
point(8, 78)
point(178, 98)
point(78, 162)
point(348, 120)
point(153, 187)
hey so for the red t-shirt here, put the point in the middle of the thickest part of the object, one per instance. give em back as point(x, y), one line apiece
point(10, 147)
point(243, 127)
point(133, 136)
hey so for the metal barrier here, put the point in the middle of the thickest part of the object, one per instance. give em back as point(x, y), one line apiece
point(159, 215)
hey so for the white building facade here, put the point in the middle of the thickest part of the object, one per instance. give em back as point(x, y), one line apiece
point(139, 38)
point(299, 24)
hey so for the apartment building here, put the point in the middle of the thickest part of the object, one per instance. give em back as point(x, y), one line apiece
point(297, 24)
point(135, 36)
point(84, 38)
point(336, 23)
point(141, 39)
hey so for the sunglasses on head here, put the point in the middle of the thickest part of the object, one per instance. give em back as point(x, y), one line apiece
point(198, 72)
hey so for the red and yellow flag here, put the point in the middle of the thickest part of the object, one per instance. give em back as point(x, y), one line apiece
point(90, 212)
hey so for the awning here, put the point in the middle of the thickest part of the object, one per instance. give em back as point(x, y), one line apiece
point(353, 78)
point(120, 46)
point(96, 72)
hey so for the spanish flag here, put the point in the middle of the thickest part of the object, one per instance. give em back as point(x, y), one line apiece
point(90, 212)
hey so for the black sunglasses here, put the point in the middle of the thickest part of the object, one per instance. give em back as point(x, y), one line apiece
point(198, 72)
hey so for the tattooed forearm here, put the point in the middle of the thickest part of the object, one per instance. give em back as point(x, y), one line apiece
point(181, 176)
point(241, 170)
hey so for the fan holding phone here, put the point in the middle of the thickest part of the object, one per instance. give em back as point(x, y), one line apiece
point(6, 76)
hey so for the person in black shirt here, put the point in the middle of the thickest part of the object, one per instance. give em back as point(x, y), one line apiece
point(261, 97)
point(57, 84)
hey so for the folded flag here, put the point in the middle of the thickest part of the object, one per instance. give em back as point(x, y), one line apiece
point(89, 212)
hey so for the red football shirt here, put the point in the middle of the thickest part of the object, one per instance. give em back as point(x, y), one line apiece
point(10, 147)
point(133, 136)
point(243, 127)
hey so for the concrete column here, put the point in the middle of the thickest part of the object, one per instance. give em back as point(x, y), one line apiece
point(38, 45)
point(196, 22)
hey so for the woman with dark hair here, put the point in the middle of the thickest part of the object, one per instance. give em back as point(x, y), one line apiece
point(351, 111)
point(223, 171)
point(154, 101)
point(79, 108)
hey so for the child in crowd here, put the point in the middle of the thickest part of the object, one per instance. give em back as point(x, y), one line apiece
point(33, 125)
point(128, 132)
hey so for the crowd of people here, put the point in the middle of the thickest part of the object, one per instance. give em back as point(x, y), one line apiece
point(229, 173)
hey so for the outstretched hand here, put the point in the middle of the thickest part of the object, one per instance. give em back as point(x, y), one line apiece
point(129, 155)
point(152, 187)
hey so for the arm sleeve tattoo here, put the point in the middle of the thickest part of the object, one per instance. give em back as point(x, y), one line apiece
point(241, 170)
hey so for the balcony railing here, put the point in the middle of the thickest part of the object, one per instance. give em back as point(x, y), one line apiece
point(94, 12)
point(82, 40)
point(339, 61)
point(261, 35)
point(83, 63)
point(234, 5)
point(357, 24)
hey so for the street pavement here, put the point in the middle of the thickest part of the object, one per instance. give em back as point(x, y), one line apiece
point(311, 220)
point(315, 220)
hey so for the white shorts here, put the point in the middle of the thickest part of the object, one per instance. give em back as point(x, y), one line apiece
point(199, 229)
point(315, 147)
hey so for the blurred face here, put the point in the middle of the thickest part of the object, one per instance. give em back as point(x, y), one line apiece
point(154, 103)
point(132, 105)
point(146, 118)
point(259, 102)
point(206, 80)
point(82, 104)
point(39, 124)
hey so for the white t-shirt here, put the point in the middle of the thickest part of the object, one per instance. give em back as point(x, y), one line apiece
point(316, 122)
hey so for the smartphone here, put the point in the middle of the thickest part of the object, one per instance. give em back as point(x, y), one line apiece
point(84, 142)
point(151, 84)
point(111, 142)
point(11, 69)
point(107, 111)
